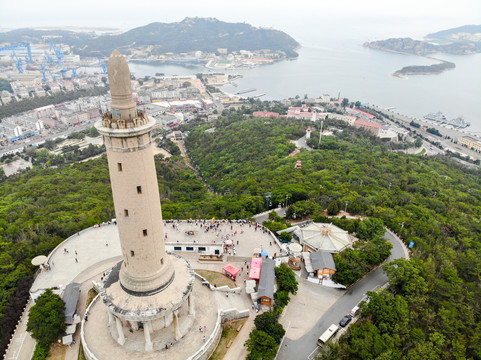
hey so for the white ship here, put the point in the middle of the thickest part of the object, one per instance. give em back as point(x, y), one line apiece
point(439, 117)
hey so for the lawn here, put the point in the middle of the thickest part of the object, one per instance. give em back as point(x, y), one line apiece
point(57, 352)
point(229, 332)
point(90, 296)
point(216, 278)
point(81, 355)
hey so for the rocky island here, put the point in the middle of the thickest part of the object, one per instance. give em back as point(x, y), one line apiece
point(464, 40)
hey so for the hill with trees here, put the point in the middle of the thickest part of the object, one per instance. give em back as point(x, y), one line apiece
point(190, 34)
point(431, 310)
point(465, 32)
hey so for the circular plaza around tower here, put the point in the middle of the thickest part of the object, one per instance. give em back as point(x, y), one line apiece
point(99, 332)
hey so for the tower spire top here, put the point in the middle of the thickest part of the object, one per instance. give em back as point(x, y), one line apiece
point(123, 104)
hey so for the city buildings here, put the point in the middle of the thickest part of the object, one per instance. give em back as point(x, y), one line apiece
point(470, 143)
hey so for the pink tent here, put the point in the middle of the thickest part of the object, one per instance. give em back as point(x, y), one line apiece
point(255, 270)
point(231, 270)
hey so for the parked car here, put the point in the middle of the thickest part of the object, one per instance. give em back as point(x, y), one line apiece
point(345, 320)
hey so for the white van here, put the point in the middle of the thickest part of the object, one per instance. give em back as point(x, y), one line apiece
point(327, 334)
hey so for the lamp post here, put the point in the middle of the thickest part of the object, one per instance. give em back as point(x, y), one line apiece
point(268, 198)
point(320, 133)
point(345, 209)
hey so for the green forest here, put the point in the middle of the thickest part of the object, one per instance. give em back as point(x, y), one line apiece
point(432, 307)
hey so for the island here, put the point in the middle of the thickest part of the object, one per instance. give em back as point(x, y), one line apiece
point(424, 69)
point(464, 40)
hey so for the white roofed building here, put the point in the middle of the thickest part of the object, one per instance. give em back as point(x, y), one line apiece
point(323, 237)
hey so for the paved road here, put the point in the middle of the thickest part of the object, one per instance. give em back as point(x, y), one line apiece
point(260, 218)
point(306, 345)
point(301, 143)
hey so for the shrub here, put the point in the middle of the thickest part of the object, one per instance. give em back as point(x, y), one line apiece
point(285, 237)
point(286, 279)
point(41, 351)
point(46, 318)
point(281, 298)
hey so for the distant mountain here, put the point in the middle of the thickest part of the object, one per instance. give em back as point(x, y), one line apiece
point(417, 47)
point(466, 32)
point(191, 34)
point(463, 40)
point(37, 36)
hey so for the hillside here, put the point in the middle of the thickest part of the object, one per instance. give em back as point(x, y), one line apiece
point(462, 40)
point(418, 47)
point(466, 32)
point(430, 311)
point(37, 36)
point(191, 34)
point(431, 308)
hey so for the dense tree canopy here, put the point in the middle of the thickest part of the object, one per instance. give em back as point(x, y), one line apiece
point(268, 322)
point(261, 346)
point(433, 202)
point(46, 319)
point(286, 279)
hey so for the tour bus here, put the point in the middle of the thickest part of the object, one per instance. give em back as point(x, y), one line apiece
point(327, 334)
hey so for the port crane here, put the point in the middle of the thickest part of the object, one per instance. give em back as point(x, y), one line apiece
point(26, 45)
point(103, 66)
point(54, 78)
point(58, 53)
point(48, 58)
point(18, 62)
point(42, 66)
point(72, 70)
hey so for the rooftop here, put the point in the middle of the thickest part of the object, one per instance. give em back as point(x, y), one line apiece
point(322, 260)
point(324, 237)
point(266, 282)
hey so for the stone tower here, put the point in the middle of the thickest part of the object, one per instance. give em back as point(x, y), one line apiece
point(135, 190)
point(149, 290)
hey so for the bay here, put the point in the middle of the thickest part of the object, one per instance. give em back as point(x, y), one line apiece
point(339, 65)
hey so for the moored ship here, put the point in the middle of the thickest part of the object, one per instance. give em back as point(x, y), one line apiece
point(439, 117)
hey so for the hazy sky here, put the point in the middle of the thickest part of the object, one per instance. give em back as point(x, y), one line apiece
point(416, 17)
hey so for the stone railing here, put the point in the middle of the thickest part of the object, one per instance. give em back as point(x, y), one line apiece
point(88, 354)
point(211, 343)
